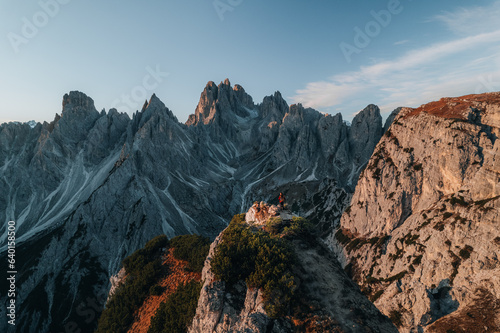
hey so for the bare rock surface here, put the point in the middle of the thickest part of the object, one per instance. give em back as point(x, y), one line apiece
point(422, 234)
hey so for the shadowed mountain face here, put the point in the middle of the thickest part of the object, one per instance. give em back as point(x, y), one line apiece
point(91, 187)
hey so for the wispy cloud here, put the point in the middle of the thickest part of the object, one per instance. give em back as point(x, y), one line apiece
point(401, 42)
point(427, 73)
point(470, 63)
point(474, 20)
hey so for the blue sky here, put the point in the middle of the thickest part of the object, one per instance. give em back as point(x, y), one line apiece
point(334, 56)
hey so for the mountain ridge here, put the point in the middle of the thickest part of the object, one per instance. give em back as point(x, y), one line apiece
point(102, 184)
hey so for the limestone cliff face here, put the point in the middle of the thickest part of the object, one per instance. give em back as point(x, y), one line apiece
point(422, 233)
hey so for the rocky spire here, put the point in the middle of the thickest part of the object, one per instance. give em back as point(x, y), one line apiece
point(274, 106)
point(78, 99)
point(154, 106)
point(221, 101)
point(205, 111)
point(365, 133)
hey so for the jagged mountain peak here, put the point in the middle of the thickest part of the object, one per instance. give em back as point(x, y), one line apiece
point(274, 105)
point(370, 111)
point(77, 99)
point(237, 87)
point(221, 102)
point(155, 102)
point(365, 132)
point(154, 107)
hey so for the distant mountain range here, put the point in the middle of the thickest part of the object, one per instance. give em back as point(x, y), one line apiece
point(89, 188)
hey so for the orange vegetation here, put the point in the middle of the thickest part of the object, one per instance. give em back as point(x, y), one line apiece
point(177, 275)
point(314, 323)
point(455, 107)
point(482, 315)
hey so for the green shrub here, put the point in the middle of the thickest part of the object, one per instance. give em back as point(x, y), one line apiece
point(191, 248)
point(376, 296)
point(156, 290)
point(465, 252)
point(439, 226)
point(262, 260)
point(353, 245)
point(232, 260)
point(411, 239)
point(137, 260)
point(156, 244)
point(396, 277)
point(447, 215)
point(119, 312)
point(274, 225)
point(298, 227)
point(177, 312)
point(458, 200)
point(144, 267)
point(483, 202)
point(417, 260)
point(455, 263)
point(370, 279)
point(341, 237)
point(396, 316)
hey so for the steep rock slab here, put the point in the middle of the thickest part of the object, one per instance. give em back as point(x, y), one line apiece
point(422, 233)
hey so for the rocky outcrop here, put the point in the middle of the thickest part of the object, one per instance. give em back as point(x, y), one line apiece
point(116, 280)
point(366, 130)
point(261, 212)
point(421, 235)
point(334, 301)
point(238, 310)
